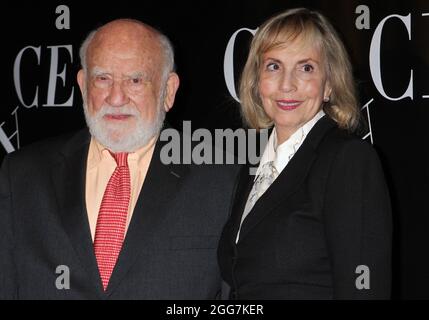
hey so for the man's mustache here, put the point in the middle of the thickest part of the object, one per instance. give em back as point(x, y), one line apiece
point(117, 111)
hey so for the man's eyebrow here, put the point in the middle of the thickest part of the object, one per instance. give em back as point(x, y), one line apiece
point(96, 71)
point(138, 74)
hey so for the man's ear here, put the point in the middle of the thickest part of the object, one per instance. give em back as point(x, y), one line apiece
point(171, 89)
point(81, 81)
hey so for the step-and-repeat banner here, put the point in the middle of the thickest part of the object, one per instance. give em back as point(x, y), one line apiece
point(389, 47)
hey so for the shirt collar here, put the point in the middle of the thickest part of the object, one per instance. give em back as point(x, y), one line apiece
point(281, 154)
point(98, 153)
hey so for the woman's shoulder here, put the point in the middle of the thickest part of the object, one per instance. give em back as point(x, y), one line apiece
point(348, 145)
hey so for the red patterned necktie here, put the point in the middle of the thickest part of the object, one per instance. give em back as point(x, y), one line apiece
point(112, 218)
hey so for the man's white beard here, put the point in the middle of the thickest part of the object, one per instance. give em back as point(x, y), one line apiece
point(119, 137)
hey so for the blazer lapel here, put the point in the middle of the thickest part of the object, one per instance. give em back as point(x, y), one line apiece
point(244, 187)
point(290, 178)
point(69, 176)
point(153, 207)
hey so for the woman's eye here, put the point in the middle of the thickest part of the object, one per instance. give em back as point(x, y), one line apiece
point(307, 68)
point(273, 66)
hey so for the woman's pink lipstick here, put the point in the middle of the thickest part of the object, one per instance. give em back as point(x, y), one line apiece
point(288, 104)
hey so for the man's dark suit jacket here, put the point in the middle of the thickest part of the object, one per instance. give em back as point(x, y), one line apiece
point(327, 213)
point(170, 248)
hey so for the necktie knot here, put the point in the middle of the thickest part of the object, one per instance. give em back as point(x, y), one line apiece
point(121, 159)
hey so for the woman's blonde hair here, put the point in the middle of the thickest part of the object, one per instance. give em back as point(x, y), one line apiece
point(310, 26)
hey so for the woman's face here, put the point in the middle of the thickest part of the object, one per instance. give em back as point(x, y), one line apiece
point(292, 85)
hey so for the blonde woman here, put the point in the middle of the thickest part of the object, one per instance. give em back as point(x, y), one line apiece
point(315, 221)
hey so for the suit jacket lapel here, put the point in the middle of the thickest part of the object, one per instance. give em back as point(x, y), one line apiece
point(289, 179)
point(244, 187)
point(69, 176)
point(152, 209)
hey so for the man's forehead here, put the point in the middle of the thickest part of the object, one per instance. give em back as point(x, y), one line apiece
point(144, 57)
point(124, 49)
point(124, 60)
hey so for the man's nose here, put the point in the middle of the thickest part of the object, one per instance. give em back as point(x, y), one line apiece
point(117, 95)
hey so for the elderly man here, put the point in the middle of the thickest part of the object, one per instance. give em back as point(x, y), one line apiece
point(97, 215)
